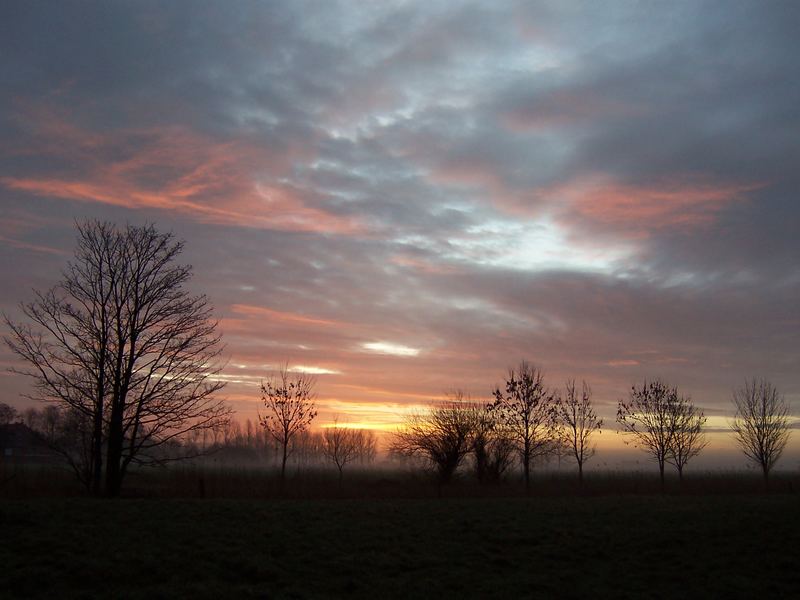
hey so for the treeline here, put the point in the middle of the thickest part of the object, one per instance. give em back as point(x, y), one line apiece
point(131, 362)
point(528, 422)
point(231, 442)
point(335, 446)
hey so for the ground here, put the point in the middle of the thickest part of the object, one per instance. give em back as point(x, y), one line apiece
point(611, 546)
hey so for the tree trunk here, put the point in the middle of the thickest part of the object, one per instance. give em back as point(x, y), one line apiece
point(97, 441)
point(765, 470)
point(661, 474)
point(283, 461)
point(580, 473)
point(114, 455)
point(97, 450)
point(113, 481)
point(526, 467)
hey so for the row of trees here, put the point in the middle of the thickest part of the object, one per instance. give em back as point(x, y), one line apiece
point(231, 442)
point(289, 403)
point(131, 359)
point(527, 421)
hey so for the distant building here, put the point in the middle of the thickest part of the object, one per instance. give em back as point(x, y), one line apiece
point(21, 444)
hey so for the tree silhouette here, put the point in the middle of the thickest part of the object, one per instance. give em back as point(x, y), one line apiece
point(525, 407)
point(649, 416)
point(761, 424)
point(123, 345)
point(8, 414)
point(688, 438)
point(442, 435)
point(492, 445)
point(290, 408)
point(577, 422)
point(342, 445)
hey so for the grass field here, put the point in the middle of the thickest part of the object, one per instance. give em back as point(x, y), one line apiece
point(612, 546)
point(230, 482)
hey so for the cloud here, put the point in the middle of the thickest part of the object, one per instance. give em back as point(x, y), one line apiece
point(390, 348)
point(176, 169)
point(312, 370)
point(262, 313)
point(413, 197)
point(644, 209)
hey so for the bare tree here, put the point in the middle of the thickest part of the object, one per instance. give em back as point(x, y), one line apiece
point(577, 422)
point(688, 438)
point(290, 408)
point(368, 446)
point(121, 342)
point(492, 446)
point(525, 407)
point(342, 445)
point(442, 436)
point(649, 416)
point(306, 448)
point(761, 423)
point(8, 414)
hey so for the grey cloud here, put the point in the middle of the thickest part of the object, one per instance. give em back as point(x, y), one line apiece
point(403, 116)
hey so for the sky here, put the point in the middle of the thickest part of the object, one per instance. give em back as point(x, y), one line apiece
point(405, 198)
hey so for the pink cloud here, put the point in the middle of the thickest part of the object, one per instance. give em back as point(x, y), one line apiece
point(269, 314)
point(623, 363)
point(34, 247)
point(422, 265)
point(643, 208)
point(176, 169)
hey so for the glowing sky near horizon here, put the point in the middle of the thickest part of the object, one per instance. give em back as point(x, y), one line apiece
point(404, 198)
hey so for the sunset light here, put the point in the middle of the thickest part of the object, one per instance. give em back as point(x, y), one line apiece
point(524, 262)
point(388, 348)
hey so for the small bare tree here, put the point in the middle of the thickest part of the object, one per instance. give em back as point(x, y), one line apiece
point(290, 408)
point(649, 417)
point(492, 446)
point(342, 445)
point(525, 407)
point(688, 438)
point(368, 446)
point(442, 436)
point(761, 423)
point(306, 448)
point(577, 422)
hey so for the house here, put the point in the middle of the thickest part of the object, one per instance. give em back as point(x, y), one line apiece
point(22, 445)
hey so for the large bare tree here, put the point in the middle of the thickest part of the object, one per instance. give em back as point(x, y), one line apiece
point(124, 346)
point(577, 422)
point(441, 435)
point(761, 423)
point(648, 415)
point(525, 407)
point(290, 408)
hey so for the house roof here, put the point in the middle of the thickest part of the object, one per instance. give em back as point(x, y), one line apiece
point(19, 436)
